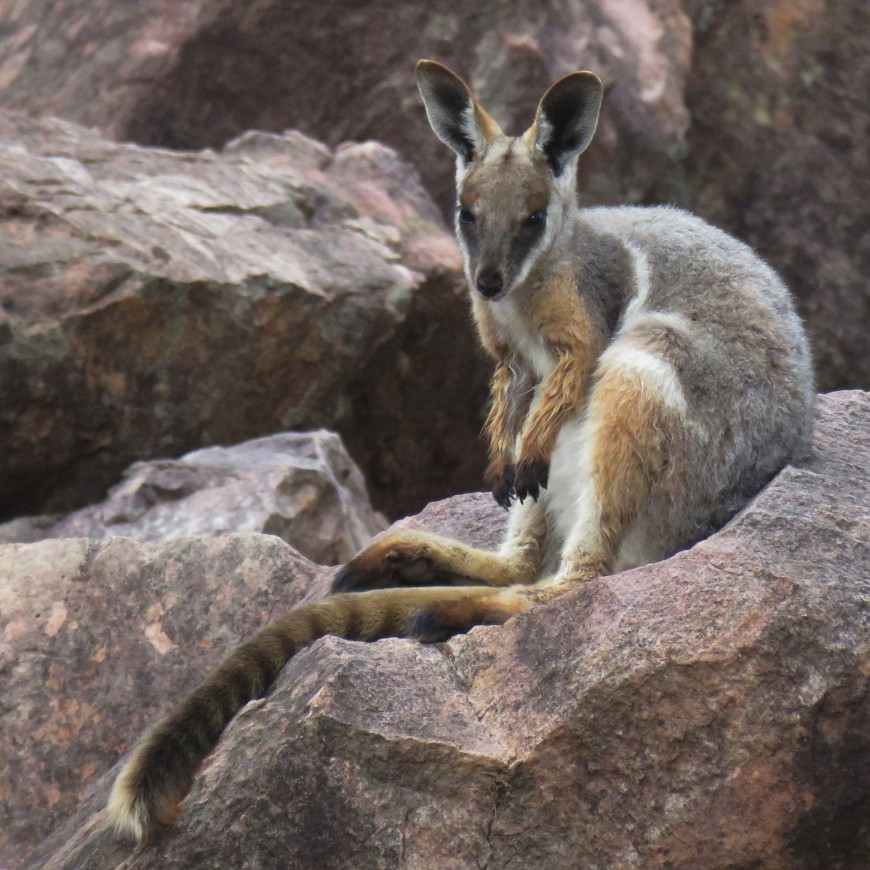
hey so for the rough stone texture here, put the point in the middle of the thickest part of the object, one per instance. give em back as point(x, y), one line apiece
point(152, 302)
point(709, 711)
point(302, 487)
point(92, 636)
point(778, 154)
point(196, 73)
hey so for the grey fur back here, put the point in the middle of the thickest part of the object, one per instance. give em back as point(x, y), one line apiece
point(729, 330)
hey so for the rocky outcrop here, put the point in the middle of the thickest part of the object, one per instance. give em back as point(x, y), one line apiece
point(302, 487)
point(708, 711)
point(152, 302)
point(777, 154)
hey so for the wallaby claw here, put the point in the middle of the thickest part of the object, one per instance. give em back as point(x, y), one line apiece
point(532, 477)
point(503, 490)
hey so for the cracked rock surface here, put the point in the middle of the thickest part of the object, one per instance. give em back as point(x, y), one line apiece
point(707, 711)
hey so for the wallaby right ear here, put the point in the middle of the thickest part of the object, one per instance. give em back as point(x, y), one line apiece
point(458, 120)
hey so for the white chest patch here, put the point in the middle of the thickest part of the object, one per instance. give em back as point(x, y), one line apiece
point(523, 341)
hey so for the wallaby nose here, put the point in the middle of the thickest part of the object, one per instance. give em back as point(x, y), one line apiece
point(489, 283)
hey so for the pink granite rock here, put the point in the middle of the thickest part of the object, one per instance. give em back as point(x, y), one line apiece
point(778, 152)
point(708, 711)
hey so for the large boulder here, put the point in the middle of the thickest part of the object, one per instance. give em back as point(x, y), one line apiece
point(707, 711)
point(152, 302)
point(778, 155)
point(300, 486)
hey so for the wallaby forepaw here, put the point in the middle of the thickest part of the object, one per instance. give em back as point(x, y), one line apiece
point(503, 487)
point(532, 476)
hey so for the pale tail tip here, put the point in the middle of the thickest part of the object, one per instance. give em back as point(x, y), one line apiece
point(126, 812)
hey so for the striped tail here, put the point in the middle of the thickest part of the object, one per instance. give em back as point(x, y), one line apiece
point(162, 768)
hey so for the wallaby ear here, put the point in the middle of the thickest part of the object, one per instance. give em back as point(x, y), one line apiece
point(566, 119)
point(457, 118)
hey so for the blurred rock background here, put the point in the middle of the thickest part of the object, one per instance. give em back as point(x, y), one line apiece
point(227, 224)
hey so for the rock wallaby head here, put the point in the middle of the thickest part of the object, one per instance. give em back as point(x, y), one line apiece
point(650, 376)
point(514, 194)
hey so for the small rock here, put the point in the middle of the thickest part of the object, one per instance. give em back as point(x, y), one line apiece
point(302, 487)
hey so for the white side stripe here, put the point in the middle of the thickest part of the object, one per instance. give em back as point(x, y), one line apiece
point(638, 304)
point(654, 373)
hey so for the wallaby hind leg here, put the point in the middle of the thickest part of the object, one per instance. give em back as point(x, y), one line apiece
point(624, 450)
point(442, 620)
point(635, 420)
point(412, 558)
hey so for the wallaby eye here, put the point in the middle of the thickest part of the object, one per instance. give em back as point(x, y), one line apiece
point(537, 220)
point(466, 215)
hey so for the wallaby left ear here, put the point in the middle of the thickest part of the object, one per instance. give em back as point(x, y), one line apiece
point(566, 119)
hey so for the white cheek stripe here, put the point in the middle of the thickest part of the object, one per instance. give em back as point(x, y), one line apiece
point(466, 262)
point(651, 371)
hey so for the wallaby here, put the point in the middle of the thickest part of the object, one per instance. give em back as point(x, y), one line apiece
point(651, 375)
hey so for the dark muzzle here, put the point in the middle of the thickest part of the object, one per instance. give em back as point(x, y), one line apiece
point(489, 283)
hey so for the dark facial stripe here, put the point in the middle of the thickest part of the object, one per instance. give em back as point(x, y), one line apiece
point(523, 242)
